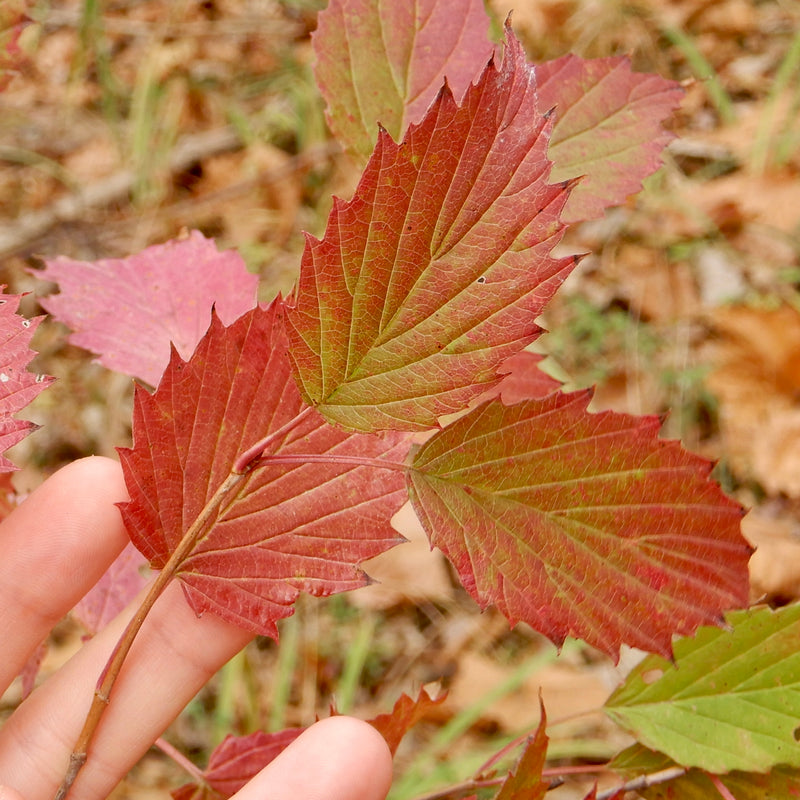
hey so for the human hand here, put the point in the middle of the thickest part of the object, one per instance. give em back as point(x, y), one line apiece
point(53, 549)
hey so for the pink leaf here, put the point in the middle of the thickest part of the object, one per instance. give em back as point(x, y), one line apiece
point(435, 272)
point(128, 310)
point(286, 527)
point(581, 524)
point(17, 386)
point(385, 62)
point(608, 128)
point(235, 761)
point(121, 582)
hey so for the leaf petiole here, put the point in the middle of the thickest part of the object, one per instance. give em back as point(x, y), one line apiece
point(248, 460)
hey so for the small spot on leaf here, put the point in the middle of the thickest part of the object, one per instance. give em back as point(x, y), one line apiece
point(652, 675)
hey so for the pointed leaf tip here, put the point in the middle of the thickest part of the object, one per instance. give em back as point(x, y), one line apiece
point(581, 524)
point(435, 272)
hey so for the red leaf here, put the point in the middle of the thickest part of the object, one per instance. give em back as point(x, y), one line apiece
point(236, 760)
point(285, 528)
point(608, 128)
point(525, 782)
point(523, 380)
point(128, 310)
point(120, 583)
point(406, 713)
point(17, 386)
point(385, 62)
point(434, 273)
point(581, 524)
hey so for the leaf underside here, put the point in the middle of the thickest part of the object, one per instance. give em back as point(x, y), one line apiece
point(18, 387)
point(128, 310)
point(731, 701)
point(287, 527)
point(385, 62)
point(435, 272)
point(607, 130)
point(581, 524)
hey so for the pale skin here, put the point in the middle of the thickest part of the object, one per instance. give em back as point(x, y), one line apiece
point(53, 548)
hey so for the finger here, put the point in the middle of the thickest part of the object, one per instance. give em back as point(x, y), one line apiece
point(53, 548)
point(7, 793)
point(172, 658)
point(339, 758)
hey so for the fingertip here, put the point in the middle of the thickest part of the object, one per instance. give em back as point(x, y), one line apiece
point(339, 758)
point(360, 743)
point(7, 793)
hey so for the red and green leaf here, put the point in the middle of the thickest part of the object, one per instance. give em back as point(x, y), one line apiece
point(386, 62)
point(18, 386)
point(435, 272)
point(128, 310)
point(581, 524)
point(235, 761)
point(302, 521)
point(608, 128)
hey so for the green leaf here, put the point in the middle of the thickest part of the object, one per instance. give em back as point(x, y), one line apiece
point(730, 701)
point(435, 272)
point(780, 782)
point(581, 524)
point(385, 62)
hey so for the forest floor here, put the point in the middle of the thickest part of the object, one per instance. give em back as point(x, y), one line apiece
point(134, 120)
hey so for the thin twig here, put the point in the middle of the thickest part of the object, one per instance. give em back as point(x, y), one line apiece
point(645, 782)
point(180, 759)
point(109, 676)
point(723, 790)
